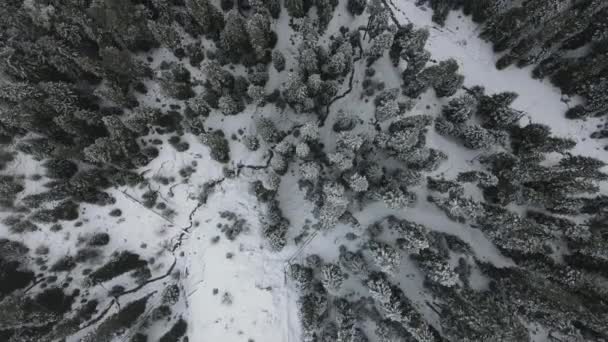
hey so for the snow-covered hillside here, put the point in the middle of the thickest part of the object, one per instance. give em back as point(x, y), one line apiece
point(320, 201)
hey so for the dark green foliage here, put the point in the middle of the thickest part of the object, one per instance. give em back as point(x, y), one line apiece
point(176, 332)
point(99, 239)
point(547, 303)
point(325, 12)
point(5, 159)
point(120, 322)
point(442, 185)
point(301, 276)
point(139, 337)
point(13, 274)
point(87, 254)
point(171, 294)
point(161, 313)
point(64, 264)
point(234, 38)
point(278, 60)
point(495, 110)
point(67, 211)
point(441, 9)
point(227, 5)
point(274, 226)
point(120, 263)
point(442, 77)
point(55, 63)
point(115, 212)
point(261, 193)
point(60, 168)
point(469, 315)
point(536, 138)
point(553, 187)
point(460, 109)
point(23, 226)
point(9, 188)
point(218, 145)
point(176, 82)
point(295, 8)
point(356, 7)
point(54, 300)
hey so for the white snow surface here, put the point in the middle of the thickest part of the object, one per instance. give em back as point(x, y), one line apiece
point(263, 305)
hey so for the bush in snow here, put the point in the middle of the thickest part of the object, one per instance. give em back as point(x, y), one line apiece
point(278, 60)
point(251, 142)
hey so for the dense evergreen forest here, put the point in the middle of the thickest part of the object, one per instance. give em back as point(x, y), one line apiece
point(98, 96)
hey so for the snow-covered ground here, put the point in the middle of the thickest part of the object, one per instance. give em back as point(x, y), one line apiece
point(237, 290)
point(242, 270)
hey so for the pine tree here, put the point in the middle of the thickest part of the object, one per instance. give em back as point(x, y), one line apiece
point(436, 269)
point(267, 130)
point(356, 7)
point(412, 237)
point(384, 256)
point(141, 119)
point(218, 146)
point(325, 12)
point(274, 6)
point(228, 105)
point(257, 94)
point(357, 182)
point(220, 80)
point(234, 38)
point(342, 160)
point(9, 188)
point(449, 81)
point(309, 61)
point(275, 226)
point(476, 137)
point(334, 205)
point(460, 109)
point(295, 8)
point(536, 138)
point(309, 132)
point(104, 151)
point(332, 278)
point(258, 28)
point(380, 44)
point(302, 276)
point(124, 20)
point(302, 150)
point(296, 93)
point(352, 262)
point(210, 19)
point(310, 171)
point(378, 18)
